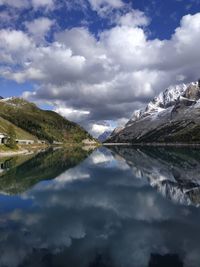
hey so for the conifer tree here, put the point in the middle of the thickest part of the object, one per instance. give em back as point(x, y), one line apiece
point(11, 137)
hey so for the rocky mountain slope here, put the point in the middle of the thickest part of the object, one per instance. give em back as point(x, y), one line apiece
point(35, 123)
point(172, 116)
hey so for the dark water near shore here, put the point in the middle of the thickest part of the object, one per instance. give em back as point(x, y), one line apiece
point(116, 207)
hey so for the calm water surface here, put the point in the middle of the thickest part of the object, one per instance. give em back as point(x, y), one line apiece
point(122, 207)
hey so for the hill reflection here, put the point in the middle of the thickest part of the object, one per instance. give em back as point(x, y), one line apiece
point(20, 173)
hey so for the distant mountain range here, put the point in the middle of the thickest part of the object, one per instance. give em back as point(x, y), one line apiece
point(173, 116)
point(31, 122)
point(102, 137)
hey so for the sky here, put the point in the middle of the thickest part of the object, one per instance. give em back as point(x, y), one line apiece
point(96, 61)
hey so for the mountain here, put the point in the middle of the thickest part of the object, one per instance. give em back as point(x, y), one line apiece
point(173, 116)
point(105, 135)
point(36, 123)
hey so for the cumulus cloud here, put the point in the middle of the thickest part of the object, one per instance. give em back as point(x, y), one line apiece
point(39, 27)
point(114, 3)
point(133, 19)
point(16, 45)
point(103, 7)
point(24, 4)
point(15, 3)
point(104, 77)
point(72, 114)
point(42, 3)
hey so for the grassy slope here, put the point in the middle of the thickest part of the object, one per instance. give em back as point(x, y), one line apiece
point(20, 133)
point(44, 124)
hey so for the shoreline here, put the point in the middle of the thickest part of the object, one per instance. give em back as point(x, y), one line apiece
point(22, 150)
point(15, 153)
point(154, 144)
point(30, 149)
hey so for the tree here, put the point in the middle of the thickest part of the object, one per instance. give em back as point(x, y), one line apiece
point(11, 137)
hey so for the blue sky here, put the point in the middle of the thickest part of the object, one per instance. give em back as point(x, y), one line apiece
point(96, 61)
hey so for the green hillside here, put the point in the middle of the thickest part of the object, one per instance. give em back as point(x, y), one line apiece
point(20, 133)
point(43, 124)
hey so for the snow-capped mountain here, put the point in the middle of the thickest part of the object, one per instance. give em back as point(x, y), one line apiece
point(172, 116)
point(163, 101)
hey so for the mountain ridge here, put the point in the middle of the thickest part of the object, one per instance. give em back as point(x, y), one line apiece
point(173, 116)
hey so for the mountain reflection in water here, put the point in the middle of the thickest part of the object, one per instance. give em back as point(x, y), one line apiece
point(123, 207)
point(174, 172)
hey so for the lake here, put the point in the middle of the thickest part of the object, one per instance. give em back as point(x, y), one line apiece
point(116, 207)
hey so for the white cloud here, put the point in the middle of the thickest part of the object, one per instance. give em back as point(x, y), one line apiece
point(15, 45)
point(96, 4)
point(133, 19)
point(88, 46)
point(97, 129)
point(105, 78)
point(72, 114)
point(42, 3)
point(15, 3)
point(103, 7)
point(20, 77)
point(22, 4)
point(39, 27)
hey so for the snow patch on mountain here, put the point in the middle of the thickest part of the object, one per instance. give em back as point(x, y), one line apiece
point(5, 99)
point(161, 103)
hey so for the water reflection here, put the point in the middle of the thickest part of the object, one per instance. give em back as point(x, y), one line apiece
point(175, 172)
point(22, 172)
point(100, 214)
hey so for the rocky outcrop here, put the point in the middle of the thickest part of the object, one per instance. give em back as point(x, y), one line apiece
point(173, 116)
